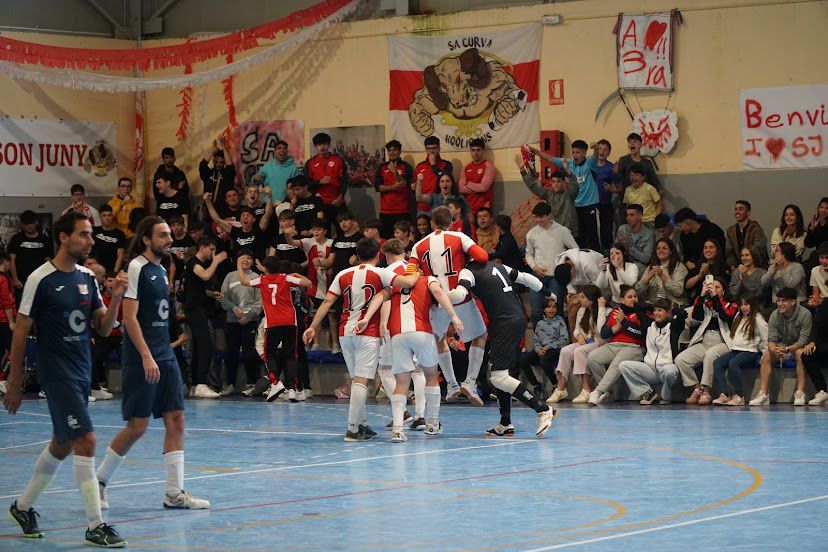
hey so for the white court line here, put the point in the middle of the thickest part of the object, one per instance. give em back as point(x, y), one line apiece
point(26, 445)
point(682, 524)
point(300, 466)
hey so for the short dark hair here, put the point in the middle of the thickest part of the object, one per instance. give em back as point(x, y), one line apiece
point(685, 213)
point(231, 191)
point(66, 224)
point(786, 292)
point(218, 153)
point(822, 251)
point(634, 136)
point(662, 303)
point(635, 207)
point(299, 181)
point(458, 203)
point(167, 151)
point(248, 210)
point(788, 251)
point(176, 219)
point(580, 144)
point(128, 179)
point(563, 274)
point(205, 241)
point(744, 202)
point(28, 217)
point(344, 215)
point(373, 223)
point(431, 141)
point(484, 209)
point(477, 143)
point(320, 223)
point(163, 176)
point(105, 208)
point(321, 138)
point(367, 249)
point(272, 264)
point(637, 168)
point(504, 222)
point(393, 144)
point(661, 220)
point(245, 251)
point(560, 175)
point(604, 142)
point(287, 214)
point(542, 209)
point(403, 226)
point(281, 143)
point(77, 188)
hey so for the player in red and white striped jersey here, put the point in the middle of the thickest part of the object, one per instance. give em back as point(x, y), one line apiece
point(443, 254)
point(357, 285)
point(409, 324)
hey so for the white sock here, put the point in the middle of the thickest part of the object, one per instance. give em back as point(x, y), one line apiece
point(174, 462)
point(45, 468)
point(444, 360)
point(398, 410)
point(389, 382)
point(475, 362)
point(111, 462)
point(419, 380)
point(432, 406)
point(84, 469)
point(356, 409)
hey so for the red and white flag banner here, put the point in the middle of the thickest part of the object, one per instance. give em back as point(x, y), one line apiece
point(645, 50)
point(460, 87)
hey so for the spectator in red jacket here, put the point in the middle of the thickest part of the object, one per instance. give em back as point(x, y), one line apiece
point(432, 169)
point(328, 176)
point(393, 182)
point(8, 312)
point(477, 178)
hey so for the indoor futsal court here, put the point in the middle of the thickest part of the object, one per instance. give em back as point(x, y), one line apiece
point(608, 478)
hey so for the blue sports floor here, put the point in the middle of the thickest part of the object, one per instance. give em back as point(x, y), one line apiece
point(608, 478)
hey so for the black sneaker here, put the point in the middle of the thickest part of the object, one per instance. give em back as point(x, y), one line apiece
point(104, 536)
point(500, 430)
point(27, 521)
point(417, 424)
point(649, 397)
point(370, 433)
point(360, 435)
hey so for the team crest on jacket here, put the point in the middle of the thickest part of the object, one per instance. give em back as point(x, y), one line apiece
point(83, 289)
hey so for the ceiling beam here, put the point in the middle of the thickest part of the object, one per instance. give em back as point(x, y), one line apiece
point(112, 21)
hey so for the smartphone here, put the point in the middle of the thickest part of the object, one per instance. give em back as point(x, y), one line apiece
point(708, 279)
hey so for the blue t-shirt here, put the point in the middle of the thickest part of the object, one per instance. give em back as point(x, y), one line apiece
point(603, 175)
point(61, 305)
point(588, 190)
point(149, 286)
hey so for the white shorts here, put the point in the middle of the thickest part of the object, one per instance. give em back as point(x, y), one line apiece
point(468, 313)
point(412, 349)
point(361, 353)
point(386, 356)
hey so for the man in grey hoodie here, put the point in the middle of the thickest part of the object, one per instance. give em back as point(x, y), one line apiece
point(560, 197)
point(789, 330)
point(244, 308)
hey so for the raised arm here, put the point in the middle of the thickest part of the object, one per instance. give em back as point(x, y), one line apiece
point(208, 201)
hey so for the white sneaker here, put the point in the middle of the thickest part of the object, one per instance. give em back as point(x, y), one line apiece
point(820, 399)
point(202, 391)
point(582, 397)
point(228, 390)
point(398, 436)
point(433, 428)
point(799, 398)
point(292, 395)
point(453, 393)
point(104, 498)
point(545, 422)
point(3, 386)
point(92, 398)
point(469, 389)
point(41, 394)
point(102, 394)
point(248, 390)
point(300, 396)
point(185, 501)
point(308, 393)
point(275, 390)
point(335, 349)
point(761, 399)
point(557, 396)
point(596, 397)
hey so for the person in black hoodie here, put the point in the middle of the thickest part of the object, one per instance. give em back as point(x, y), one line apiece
point(814, 355)
point(219, 178)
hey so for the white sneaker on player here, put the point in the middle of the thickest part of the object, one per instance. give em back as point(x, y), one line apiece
point(433, 428)
point(185, 501)
point(545, 421)
point(275, 391)
point(453, 393)
point(228, 390)
point(104, 498)
point(202, 391)
point(398, 436)
point(102, 394)
point(469, 389)
point(557, 396)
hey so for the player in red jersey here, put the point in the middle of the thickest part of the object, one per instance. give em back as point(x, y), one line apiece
point(409, 324)
point(280, 314)
point(395, 258)
point(357, 285)
point(443, 254)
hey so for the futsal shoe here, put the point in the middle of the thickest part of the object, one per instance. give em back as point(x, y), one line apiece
point(649, 397)
point(308, 393)
point(582, 397)
point(799, 398)
point(453, 393)
point(406, 418)
point(102, 493)
point(499, 430)
point(275, 390)
point(820, 399)
point(398, 436)
point(102, 394)
point(360, 435)
point(367, 430)
point(417, 424)
point(202, 391)
point(557, 396)
point(185, 501)
point(433, 428)
point(27, 520)
point(469, 389)
point(104, 536)
point(761, 399)
point(545, 421)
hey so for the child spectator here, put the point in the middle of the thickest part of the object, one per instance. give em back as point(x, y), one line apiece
point(403, 232)
point(642, 193)
point(104, 345)
point(373, 229)
point(607, 190)
point(551, 336)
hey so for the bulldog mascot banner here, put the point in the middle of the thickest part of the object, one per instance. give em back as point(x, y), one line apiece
point(479, 85)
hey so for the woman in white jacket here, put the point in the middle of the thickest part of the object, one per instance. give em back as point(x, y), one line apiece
point(748, 338)
point(615, 272)
point(587, 335)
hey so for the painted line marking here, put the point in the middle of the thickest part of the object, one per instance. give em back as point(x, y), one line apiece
point(26, 445)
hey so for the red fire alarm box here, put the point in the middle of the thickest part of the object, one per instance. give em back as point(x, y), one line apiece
point(551, 142)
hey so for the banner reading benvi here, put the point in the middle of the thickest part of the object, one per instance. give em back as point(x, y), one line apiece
point(463, 87)
point(645, 51)
point(784, 127)
point(44, 158)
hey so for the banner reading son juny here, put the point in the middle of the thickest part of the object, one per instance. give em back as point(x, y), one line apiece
point(784, 127)
point(45, 157)
point(461, 87)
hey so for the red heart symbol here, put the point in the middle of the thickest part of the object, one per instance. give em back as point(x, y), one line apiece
point(775, 146)
point(654, 32)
